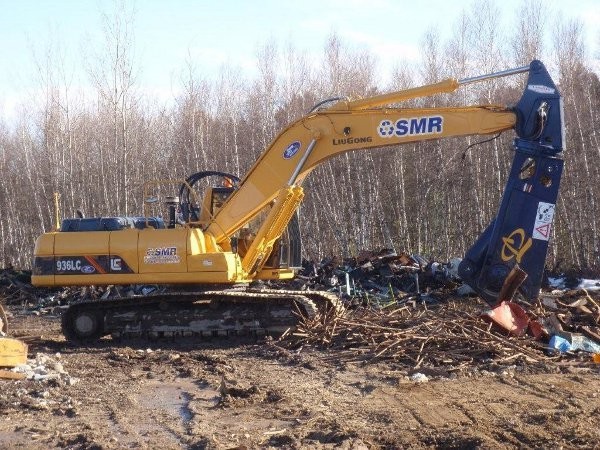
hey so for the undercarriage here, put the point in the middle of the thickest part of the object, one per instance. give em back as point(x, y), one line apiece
point(211, 313)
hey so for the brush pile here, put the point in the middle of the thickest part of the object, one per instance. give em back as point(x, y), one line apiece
point(448, 336)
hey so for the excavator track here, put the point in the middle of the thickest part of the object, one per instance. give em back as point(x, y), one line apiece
point(215, 313)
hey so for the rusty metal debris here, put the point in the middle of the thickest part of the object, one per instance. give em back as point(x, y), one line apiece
point(379, 277)
point(510, 317)
point(571, 321)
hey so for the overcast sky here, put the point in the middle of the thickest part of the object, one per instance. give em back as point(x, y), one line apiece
point(213, 33)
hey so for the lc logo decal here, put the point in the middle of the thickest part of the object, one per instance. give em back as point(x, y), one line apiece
point(515, 245)
point(115, 264)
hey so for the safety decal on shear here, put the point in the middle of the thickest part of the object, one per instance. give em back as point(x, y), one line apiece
point(543, 221)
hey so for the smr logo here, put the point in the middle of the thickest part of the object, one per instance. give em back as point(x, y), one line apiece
point(162, 255)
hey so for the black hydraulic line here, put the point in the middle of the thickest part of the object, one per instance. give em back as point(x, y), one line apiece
point(479, 143)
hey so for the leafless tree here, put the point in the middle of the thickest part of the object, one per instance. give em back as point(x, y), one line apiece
point(432, 197)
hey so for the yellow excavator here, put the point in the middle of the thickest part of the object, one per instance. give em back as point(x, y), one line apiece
point(191, 271)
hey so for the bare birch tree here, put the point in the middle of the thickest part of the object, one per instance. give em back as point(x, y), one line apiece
point(112, 71)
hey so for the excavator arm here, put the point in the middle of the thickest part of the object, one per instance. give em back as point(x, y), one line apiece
point(518, 235)
point(319, 137)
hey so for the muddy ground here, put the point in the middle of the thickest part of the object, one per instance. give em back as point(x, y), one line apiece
point(254, 394)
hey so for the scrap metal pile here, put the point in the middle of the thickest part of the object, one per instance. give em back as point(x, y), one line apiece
point(372, 277)
point(16, 290)
point(380, 277)
point(15, 287)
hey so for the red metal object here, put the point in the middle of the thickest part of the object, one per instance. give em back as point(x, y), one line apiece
point(509, 316)
point(537, 330)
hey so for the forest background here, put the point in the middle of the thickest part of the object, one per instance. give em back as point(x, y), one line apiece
point(96, 148)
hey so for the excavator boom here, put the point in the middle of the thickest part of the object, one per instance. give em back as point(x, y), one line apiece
point(321, 136)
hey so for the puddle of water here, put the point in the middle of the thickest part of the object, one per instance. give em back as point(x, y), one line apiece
point(184, 411)
point(174, 397)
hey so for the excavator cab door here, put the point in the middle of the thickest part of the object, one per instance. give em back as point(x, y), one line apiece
point(213, 200)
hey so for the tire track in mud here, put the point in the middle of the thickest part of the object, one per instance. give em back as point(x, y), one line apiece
point(427, 408)
point(125, 423)
point(494, 412)
point(535, 390)
point(544, 406)
point(538, 410)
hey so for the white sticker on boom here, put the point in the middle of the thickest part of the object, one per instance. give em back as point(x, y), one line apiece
point(543, 221)
point(541, 89)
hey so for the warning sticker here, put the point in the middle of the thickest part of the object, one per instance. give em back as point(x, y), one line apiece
point(543, 221)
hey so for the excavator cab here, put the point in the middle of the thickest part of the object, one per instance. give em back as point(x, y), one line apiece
point(287, 250)
point(213, 200)
point(215, 195)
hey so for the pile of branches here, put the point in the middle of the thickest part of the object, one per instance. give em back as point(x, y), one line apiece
point(451, 336)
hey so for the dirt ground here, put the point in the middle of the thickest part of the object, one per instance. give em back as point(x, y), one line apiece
point(239, 394)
